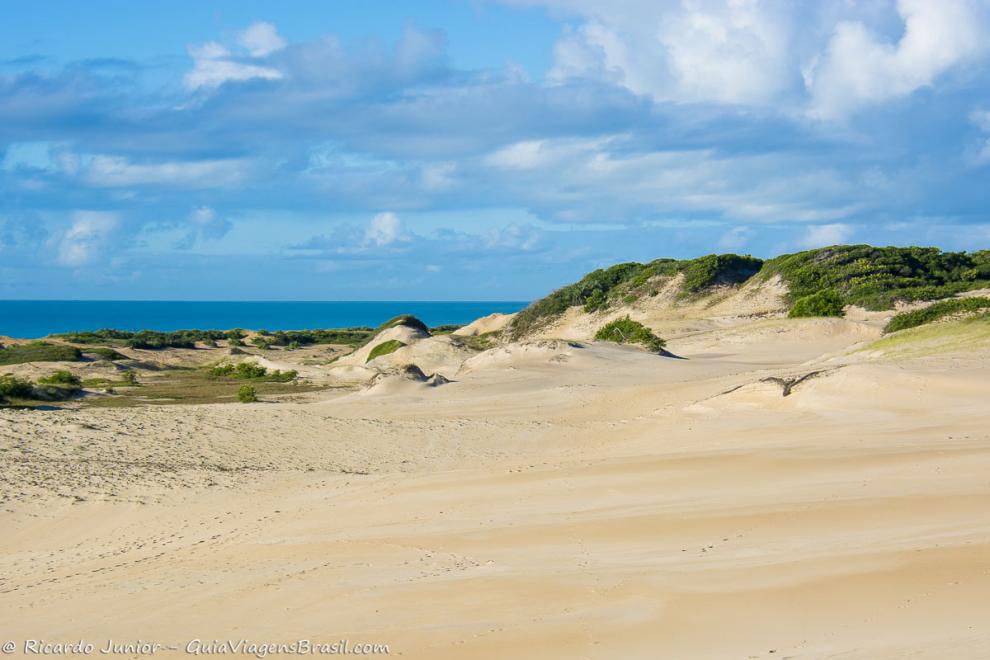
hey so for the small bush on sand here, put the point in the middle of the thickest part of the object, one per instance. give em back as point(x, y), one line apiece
point(246, 394)
point(60, 378)
point(12, 387)
point(627, 331)
point(130, 378)
point(384, 348)
point(823, 303)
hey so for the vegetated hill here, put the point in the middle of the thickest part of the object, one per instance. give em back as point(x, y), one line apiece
point(626, 283)
point(877, 278)
point(871, 277)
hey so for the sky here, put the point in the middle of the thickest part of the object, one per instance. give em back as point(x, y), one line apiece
point(474, 149)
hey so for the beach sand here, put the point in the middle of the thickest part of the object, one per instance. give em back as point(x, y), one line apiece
point(556, 500)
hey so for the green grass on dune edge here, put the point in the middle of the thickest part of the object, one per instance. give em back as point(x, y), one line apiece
point(875, 278)
point(936, 338)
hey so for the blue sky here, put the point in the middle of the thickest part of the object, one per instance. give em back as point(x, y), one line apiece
point(474, 149)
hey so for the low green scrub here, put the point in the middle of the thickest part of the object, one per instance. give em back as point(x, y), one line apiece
point(445, 329)
point(384, 348)
point(15, 389)
point(407, 320)
point(39, 351)
point(251, 371)
point(627, 331)
point(937, 311)
point(823, 303)
point(247, 394)
point(627, 282)
point(877, 278)
point(105, 353)
point(60, 378)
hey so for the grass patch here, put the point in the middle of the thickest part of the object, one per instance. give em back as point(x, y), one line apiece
point(193, 387)
point(823, 303)
point(39, 351)
point(627, 331)
point(60, 378)
point(481, 342)
point(105, 353)
point(20, 391)
point(445, 329)
point(384, 348)
point(934, 312)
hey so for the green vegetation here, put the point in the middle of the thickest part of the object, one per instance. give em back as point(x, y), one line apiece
point(445, 329)
point(251, 371)
point(57, 387)
point(877, 278)
point(627, 331)
point(39, 351)
point(384, 348)
point(105, 353)
point(601, 289)
point(247, 394)
point(60, 378)
point(824, 303)
point(935, 312)
point(407, 320)
point(481, 342)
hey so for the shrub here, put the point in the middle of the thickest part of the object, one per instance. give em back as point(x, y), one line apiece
point(934, 312)
point(261, 343)
point(130, 378)
point(823, 303)
point(384, 348)
point(13, 387)
point(106, 353)
point(60, 378)
point(278, 376)
point(627, 331)
point(39, 351)
point(403, 319)
point(246, 394)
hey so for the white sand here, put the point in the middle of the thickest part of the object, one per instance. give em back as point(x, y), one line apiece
point(556, 501)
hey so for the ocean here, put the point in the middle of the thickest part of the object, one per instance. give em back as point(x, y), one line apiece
point(37, 318)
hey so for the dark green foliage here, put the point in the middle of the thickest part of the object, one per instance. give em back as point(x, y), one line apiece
point(347, 336)
point(146, 339)
point(384, 348)
point(627, 331)
point(12, 387)
point(261, 343)
point(247, 394)
point(877, 278)
point(293, 345)
point(403, 319)
point(130, 378)
point(599, 289)
point(105, 353)
point(251, 371)
point(445, 329)
point(935, 312)
point(824, 303)
point(60, 378)
point(39, 351)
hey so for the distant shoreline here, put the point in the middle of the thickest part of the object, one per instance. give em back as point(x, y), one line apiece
point(34, 319)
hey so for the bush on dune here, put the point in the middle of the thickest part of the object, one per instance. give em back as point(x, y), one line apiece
point(627, 331)
point(247, 394)
point(823, 303)
point(60, 378)
point(934, 312)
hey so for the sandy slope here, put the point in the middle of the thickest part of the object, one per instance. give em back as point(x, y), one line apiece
point(558, 500)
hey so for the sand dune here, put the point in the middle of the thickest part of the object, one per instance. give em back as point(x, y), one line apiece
point(558, 499)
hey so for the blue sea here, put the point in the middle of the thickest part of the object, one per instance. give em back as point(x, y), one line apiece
point(37, 318)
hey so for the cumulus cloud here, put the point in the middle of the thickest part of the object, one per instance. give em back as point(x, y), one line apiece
point(861, 67)
point(385, 229)
point(204, 224)
point(261, 39)
point(824, 235)
point(87, 237)
point(214, 65)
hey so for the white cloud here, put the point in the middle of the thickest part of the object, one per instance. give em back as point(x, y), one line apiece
point(204, 224)
point(735, 239)
point(825, 235)
point(385, 229)
point(213, 65)
point(518, 156)
point(87, 237)
point(261, 39)
point(113, 172)
point(861, 68)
